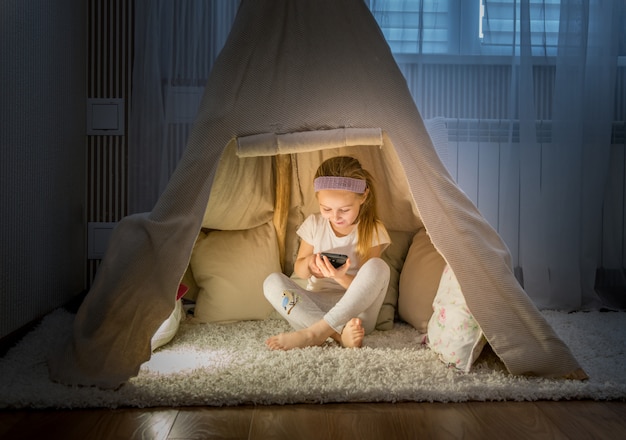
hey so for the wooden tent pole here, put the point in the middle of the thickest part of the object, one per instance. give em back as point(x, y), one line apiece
point(282, 164)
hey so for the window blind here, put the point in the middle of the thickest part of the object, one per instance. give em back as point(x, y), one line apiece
point(453, 26)
point(501, 23)
point(414, 26)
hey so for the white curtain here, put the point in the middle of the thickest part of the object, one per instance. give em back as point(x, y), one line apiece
point(562, 180)
point(559, 62)
point(553, 162)
point(176, 43)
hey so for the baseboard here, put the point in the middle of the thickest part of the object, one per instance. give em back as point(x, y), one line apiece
point(12, 339)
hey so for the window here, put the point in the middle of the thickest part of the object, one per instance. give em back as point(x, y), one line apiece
point(413, 27)
point(463, 27)
point(500, 25)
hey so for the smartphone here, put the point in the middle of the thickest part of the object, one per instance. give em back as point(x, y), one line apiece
point(337, 260)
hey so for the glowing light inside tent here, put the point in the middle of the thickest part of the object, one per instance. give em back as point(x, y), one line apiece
point(185, 361)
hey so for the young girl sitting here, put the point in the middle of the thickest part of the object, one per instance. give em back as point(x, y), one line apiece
point(340, 303)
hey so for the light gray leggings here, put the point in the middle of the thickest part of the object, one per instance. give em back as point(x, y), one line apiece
point(302, 308)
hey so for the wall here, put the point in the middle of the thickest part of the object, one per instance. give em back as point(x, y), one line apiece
point(42, 157)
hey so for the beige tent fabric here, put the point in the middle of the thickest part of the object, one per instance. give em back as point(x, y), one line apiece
point(270, 144)
point(287, 67)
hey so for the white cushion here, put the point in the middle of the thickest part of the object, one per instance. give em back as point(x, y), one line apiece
point(168, 329)
point(453, 333)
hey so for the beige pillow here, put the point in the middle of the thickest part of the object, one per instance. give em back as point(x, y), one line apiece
point(230, 267)
point(394, 256)
point(252, 176)
point(419, 281)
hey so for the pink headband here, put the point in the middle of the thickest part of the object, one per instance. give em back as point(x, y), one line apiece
point(343, 183)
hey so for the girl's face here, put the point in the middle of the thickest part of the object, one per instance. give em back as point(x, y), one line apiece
point(341, 208)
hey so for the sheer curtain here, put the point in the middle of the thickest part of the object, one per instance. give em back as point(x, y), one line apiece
point(532, 84)
point(562, 180)
point(176, 43)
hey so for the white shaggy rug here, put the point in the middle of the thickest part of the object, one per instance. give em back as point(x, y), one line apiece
point(228, 364)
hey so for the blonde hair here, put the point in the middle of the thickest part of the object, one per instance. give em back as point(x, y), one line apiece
point(368, 221)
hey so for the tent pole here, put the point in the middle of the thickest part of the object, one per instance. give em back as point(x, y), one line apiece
point(282, 163)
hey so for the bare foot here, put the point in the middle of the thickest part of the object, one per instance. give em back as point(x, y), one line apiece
point(353, 334)
point(307, 337)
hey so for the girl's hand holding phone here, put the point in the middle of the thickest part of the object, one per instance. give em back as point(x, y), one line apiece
point(314, 268)
point(328, 269)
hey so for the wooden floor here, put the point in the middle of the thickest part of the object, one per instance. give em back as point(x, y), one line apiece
point(386, 421)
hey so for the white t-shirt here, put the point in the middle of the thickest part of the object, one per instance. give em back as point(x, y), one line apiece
point(317, 231)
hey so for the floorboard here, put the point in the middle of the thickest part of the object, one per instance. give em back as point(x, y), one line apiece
point(390, 421)
point(212, 423)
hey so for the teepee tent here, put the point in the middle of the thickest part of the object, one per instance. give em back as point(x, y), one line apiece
point(296, 82)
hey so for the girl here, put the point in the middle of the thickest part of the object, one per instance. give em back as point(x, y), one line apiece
point(341, 303)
